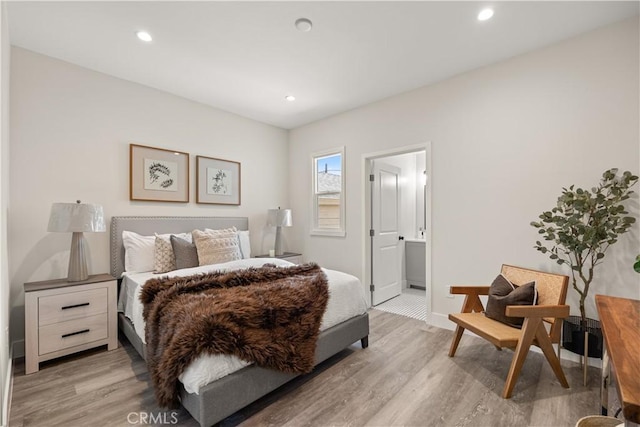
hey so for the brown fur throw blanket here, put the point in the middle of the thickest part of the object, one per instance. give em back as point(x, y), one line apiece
point(270, 316)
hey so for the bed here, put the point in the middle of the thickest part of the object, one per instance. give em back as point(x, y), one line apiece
point(211, 402)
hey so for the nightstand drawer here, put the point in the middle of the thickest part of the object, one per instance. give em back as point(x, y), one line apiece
point(72, 333)
point(71, 305)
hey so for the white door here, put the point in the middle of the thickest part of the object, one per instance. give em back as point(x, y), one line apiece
point(386, 274)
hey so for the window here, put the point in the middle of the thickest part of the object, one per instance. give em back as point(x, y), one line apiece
point(328, 193)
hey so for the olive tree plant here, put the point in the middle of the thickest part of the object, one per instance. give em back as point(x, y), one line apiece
point(584, 224)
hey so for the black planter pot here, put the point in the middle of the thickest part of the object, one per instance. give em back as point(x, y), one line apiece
point(573, 336)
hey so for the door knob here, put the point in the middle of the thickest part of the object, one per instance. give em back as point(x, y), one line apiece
point(400, 237)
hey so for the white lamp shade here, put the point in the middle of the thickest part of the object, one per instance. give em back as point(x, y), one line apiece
point(76, 217)
point(279, 218)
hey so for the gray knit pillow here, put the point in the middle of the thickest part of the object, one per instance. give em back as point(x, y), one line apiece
point(185, 252)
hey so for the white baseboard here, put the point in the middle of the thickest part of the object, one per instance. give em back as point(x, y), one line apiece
point(8, 388)
point(442, 321)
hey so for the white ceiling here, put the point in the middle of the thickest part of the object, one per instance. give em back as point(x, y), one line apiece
point(244, 57)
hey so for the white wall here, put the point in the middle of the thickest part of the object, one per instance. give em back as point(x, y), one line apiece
point(505, 139)
point(4, 198)
point(70, 134)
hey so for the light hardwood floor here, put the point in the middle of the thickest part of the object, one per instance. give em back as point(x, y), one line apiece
point(403, 378)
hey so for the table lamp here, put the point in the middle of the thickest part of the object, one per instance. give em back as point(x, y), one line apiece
point(279, 218)
point(76, 218)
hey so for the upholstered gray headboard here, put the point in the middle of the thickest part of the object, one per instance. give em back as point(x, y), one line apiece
point(147, 225)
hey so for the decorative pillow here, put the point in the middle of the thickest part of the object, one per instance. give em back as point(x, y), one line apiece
point(217, 246)
point(185, 252)
point(243, 241)
point(164, 258)
point(503, 293)
point(138, 251)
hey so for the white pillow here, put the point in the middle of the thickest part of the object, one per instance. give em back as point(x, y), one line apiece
point(245, 243)
point(138, 251)
point(216, 246)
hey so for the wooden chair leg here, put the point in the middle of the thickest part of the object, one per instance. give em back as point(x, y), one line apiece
point(547, 348)
point(471, 303)
point(529, 328)
point(456, 340)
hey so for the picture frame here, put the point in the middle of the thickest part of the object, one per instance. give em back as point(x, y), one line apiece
point(158, 174)
point(218, 181)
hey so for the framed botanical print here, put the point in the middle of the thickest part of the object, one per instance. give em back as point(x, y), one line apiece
point(158, 174)
point(217, 181)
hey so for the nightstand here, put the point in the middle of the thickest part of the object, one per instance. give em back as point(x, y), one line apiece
point(63, 317)
point(288, 256)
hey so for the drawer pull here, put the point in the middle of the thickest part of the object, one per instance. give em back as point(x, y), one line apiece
point(84, 331)
point(67, 307)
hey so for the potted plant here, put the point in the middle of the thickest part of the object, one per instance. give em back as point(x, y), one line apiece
point(577, 233)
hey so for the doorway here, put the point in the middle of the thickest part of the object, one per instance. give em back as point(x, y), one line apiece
point(397, 229)
point(386, 240)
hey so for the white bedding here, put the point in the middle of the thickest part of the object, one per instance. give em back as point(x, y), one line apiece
point(346, 300)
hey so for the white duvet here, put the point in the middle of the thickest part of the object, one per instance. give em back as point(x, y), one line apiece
point(346, 300)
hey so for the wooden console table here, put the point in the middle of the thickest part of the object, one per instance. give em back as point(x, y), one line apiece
point(620, 322)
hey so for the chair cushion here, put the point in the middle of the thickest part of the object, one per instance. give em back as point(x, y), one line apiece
point(503, 293)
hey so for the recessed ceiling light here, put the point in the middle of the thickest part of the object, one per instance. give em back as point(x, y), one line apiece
point(485, 14)
point(304, 25)
point(144, 36)
point(290, 98)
